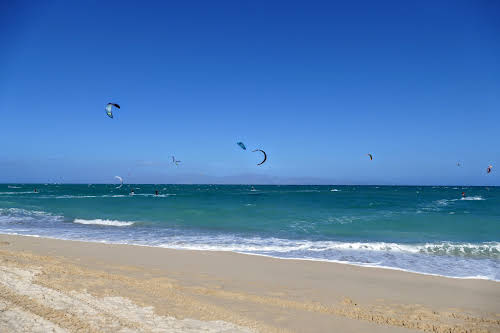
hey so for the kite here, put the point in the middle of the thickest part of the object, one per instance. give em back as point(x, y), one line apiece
point(109, 109)
point(176, 162)
point(242, 145)
point(488, 169)
point(121, 181)
point(263, 152)
point(371, 156)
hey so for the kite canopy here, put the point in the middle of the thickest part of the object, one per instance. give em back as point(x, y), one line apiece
point(109, 109)
point(242, 145)
point(176, 162)
point(263, 152)
point(488, 169)
point(121, 181)
point(371, 156)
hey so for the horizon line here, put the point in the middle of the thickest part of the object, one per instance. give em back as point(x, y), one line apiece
point(252, 184)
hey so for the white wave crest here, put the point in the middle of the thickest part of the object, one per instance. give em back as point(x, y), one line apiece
point(276, 245)
point(19, 215)
point(473, 198)
point(446, 202)
point(490, 249)
point(74, 196)
point(153, 195)
point(20, 212)
point(113, 223)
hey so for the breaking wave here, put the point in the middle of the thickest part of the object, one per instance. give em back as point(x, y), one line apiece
point(113, 223)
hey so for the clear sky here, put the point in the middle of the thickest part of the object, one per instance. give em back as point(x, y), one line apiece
point(318, 85)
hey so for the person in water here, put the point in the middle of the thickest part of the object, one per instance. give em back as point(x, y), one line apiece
point(463, 194)
point(132, 192)
point(156, 192)
point(35, 190)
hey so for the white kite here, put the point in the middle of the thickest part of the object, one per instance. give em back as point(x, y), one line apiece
point(121, 181)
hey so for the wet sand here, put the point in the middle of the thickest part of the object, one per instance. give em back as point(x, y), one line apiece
point(68, 286)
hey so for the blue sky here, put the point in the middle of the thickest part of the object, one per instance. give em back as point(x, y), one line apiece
point(315, 84)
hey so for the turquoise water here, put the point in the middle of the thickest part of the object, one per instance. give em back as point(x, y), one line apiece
point(430, 230)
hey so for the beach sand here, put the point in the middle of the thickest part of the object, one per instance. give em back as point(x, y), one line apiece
point(49, 285)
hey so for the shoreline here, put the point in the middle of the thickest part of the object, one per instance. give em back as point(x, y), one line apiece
point(215, 289)
point(485, 278)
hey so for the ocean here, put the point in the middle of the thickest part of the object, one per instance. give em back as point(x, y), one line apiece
point(423, 229)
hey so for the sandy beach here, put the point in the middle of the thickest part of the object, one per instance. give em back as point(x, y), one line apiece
point(49, 285)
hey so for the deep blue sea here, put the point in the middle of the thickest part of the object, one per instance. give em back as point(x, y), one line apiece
point(431, 230)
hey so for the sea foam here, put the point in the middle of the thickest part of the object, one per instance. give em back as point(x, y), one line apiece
point(473, 198)
point(113, 223)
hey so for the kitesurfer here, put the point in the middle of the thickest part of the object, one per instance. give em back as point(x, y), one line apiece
point(156, 192)
point(463, 194)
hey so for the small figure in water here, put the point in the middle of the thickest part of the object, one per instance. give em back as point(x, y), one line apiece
point(132, 192)
point(463, 194)
point(156, 192)
point(35, 190)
